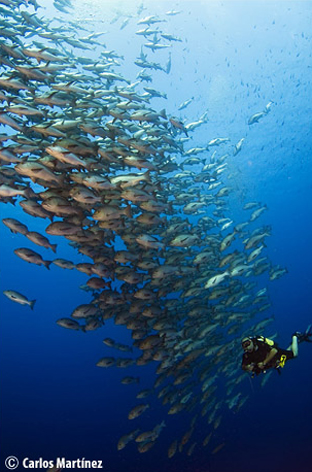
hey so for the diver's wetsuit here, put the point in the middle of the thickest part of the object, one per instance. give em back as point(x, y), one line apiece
point(264, 346)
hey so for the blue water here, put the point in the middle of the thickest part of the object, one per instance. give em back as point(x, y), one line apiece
point(235, 57)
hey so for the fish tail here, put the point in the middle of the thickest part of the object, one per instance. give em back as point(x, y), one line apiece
point(147, 176)
point(47, 264)
point(163, 113)
point(29, 193)
point(32, 304)
point(128, 211)
point(53, 247)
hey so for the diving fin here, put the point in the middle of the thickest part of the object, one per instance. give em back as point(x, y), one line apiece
point(304, 336)
point(308, 334)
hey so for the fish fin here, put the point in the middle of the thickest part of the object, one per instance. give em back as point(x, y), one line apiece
point(32, 304)
point(53, 247)
point(47, 264)
point(147, 176)
point(29, 193)
point(163, 114)
point(128, 211)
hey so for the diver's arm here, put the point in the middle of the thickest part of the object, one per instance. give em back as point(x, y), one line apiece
point(248, 367)
point(247, 363)
point(268, 358)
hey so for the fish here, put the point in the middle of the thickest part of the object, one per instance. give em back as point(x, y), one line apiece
point(32, 257)
point(19, 298)
point(173, 12)
point(238, 146)
point(84, 311)
point(110, 212)
point(170, 37)
point(178, 125)
point(218, 448)
point(149, 20)
point(185, 104)
point(256, 213)
point(173, 449)
point(154, 46)
point(68, 324)
point(216, 279)
point(40, 240)
point(150, 435)
point(255, 253)
point(217, 141)
point(207, 439)
point(15, 226)
point(124, 440)
point(256, 117)
point(276, 272)
point(145, 446)
point(63, 155)
point(106, 362)
point(184, 240)
point(128, 380)
point(137, 411)
point(227, 241)
point(64, 264)
point(7, 191)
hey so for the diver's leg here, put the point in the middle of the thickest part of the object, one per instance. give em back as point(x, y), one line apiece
point(294, 346)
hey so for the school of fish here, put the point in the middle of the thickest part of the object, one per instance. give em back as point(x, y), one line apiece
point(82, 147)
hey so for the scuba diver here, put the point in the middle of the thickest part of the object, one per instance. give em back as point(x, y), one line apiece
point(262, 353)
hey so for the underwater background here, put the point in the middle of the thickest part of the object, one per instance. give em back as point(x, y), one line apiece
point(234, 58)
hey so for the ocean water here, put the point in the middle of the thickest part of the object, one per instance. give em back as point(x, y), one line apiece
point(235, 57)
